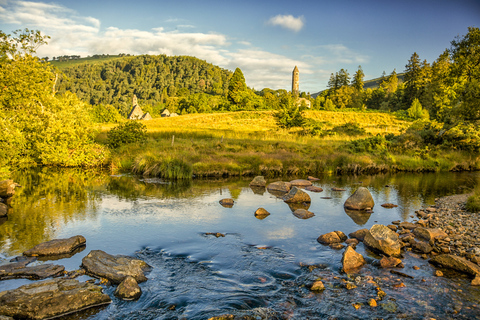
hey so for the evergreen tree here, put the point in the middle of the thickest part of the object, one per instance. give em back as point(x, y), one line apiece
point(357, 81)
point(236, 87)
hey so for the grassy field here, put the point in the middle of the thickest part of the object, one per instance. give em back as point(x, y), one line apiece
point(65, 64)
point(250, 143)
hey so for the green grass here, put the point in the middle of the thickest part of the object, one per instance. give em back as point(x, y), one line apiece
point(65, 64)
point(251, 143)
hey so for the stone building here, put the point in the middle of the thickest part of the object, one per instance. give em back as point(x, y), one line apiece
point(137, 113)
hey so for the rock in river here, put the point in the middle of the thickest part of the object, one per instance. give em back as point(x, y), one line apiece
point(351, 260)
point(300, 183)
point(297, 196)
point(456, 263)
point(383, 239)
point(19, 270)
point(360, 200)
point(280, 186)
point(114, 268)
point(128, 289)
point(3, 210)
point(261, 213)
point(332, 237)
point(227, 203)
point(56, 247)
point(51, 298)
point(258, 181)
point(303, 214)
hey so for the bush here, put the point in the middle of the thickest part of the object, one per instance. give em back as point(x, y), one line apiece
point(377, 143)
point(290, 114)
point(105, 114)
point(350, 129)
point(128, 132)
point(473, 203)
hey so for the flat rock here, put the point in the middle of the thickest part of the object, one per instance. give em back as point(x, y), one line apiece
point(227, 203)
point(258, 181)
point(382, 239)
point(114, 268)
point(332, 237)
point(56, 247)
point(300, 183)
point(338, 189)
point(280, 186)
point(19, 270)
point(313, 189)
point(296, 195)
point(361, 199)
point(312, 178)
point(303, 214)
point(351, 260)
point(429, 233)
point(359, 234)
point(51, 298)
point(408, 225)
point(389, 205)
point(128, 289)
point(456, 263)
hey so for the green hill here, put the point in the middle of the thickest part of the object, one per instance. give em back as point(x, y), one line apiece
point(153, 79)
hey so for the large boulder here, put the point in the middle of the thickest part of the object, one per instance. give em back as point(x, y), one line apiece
point(296, 195)
point(258, 181)
point(360, 200)
point(382, 239)
point(51, 298)
point(332, 237)
point(19, 270)
point(429, 233)
point(114, 268)
point(301, 183)
point(56, 247)
point(279, 186)
point(128, 289)
point(456, 263)
point(351, 260)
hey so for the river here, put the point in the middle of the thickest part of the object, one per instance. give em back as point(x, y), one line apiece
point(261, 268)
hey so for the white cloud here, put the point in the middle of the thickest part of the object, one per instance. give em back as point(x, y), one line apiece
point(287, 22)
point(342, 54)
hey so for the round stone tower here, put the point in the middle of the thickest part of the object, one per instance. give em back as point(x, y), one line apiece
point(295, 81)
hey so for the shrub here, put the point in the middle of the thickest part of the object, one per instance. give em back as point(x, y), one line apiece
point(473, 203)
point(371, 144)
point(290, 114)
point(127, 132)
point(350, 129)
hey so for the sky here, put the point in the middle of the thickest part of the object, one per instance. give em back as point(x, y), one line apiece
point(266, 39)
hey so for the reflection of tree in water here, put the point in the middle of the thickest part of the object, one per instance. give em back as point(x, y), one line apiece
point(47, 199)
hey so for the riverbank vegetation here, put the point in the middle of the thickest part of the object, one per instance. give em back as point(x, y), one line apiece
point(76, 116)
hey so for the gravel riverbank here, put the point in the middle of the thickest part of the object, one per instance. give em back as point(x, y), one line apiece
point(461, 226)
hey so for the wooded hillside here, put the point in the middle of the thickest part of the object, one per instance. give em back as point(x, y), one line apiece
point(153, 79)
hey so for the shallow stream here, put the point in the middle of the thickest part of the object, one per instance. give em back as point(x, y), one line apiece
point(261, 268)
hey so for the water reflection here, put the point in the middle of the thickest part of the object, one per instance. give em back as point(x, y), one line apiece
point(255, 265)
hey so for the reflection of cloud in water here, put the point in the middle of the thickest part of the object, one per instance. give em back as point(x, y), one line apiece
point(284, 233)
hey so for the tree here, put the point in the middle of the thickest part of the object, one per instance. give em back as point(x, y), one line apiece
point(290, 114)
point(37, 125)
point(465, 70)
point(416, 111)
point(357, 82)
point(236, 86)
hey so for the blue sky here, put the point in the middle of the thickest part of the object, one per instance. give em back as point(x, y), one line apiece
point(265, 39)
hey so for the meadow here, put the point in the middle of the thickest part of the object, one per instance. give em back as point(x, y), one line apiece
point(251, 143)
